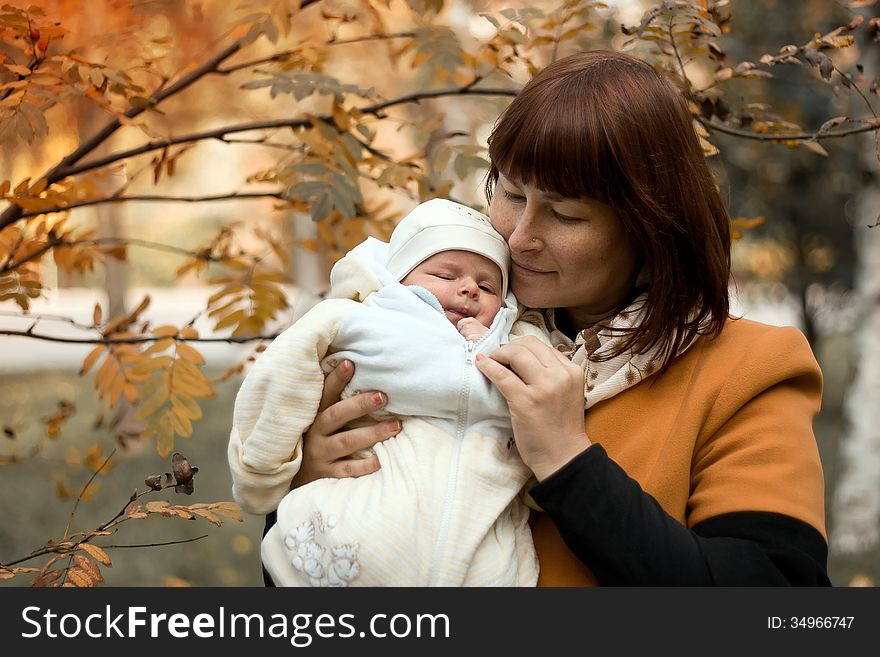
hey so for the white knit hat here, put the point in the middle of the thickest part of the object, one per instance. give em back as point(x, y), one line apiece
point(441, 225)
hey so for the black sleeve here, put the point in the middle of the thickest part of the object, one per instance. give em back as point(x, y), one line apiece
point(625, 538)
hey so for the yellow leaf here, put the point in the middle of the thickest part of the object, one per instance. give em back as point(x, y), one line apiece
point(157, 507)
point(147, 365)
point(90, 567)
point(269, 276)
point(232, 288)
point(165, 440)
point(96, 553)
point(79, 578)
point(153, 403)
point(228, 509)
point(158, 347)
point(230, 319)
point(189, 332)
point(90, 360)
point(109, 377)
point(189, 353)
point(129, 391)
point(165, 331)
point(189, 372)
point(815, 147)
point(116, 389)
point(341, 118)
point(22, 186)
point(207, 515)
point(181, 424)
point(186, 405)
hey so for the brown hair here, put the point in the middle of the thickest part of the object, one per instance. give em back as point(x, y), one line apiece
point(604, 125)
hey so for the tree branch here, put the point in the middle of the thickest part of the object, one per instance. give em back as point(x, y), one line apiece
point(779, 136)
point(220, 133)
point(234, 196)
point(84, 489)
point(14, 212)
point(134, 340)
point(684, 77)
point(281, 56)
point(100, 241)
point(48, 318)
point(140, 545)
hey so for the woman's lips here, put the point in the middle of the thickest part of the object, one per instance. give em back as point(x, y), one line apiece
point(528, 271)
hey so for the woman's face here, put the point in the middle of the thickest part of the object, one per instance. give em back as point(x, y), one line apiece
point(566, 253)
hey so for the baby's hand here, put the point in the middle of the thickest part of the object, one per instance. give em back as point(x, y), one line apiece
point(470, 328)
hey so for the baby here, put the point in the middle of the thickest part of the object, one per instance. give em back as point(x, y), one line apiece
point(444, 509)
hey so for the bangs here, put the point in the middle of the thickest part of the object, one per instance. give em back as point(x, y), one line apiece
point(553, 140)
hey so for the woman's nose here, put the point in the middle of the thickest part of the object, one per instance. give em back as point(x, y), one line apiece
point(523, 237)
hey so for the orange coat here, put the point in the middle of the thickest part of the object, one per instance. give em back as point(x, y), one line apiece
point(728, 427)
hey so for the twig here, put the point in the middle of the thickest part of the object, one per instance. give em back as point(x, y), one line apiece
point(85, 488)
point(140, 545)
point(281, 56)
point(779, 136)
point(100, 241)
point(853, 85)
point(134, 340)
point(14, 212)
point(151, 198)
point(684, 77)
point(48, 318)
point(220, 133)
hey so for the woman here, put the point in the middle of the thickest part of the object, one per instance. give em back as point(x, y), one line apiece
point(672, 444)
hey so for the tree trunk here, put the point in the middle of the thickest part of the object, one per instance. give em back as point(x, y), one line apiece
point(856, 503)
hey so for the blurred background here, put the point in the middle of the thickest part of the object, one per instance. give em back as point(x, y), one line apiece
point(806, 254)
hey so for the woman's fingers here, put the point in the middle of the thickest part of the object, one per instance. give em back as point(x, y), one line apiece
point(331, 455)
point(354, 467)
point(345, 443)
point(529, 361)
point(334, 383)
point(507, 382)
point(338, 414)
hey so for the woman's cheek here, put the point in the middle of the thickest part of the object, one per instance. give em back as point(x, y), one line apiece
point(500, 217)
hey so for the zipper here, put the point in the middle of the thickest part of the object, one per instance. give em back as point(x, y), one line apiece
point(470, 353)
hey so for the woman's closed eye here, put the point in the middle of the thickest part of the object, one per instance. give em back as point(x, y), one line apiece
point(511, 196)
point(565, 218)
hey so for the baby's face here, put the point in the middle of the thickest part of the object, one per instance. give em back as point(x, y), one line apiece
point(466, 284)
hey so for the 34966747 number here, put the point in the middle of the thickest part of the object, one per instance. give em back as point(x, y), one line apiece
point(810, 622)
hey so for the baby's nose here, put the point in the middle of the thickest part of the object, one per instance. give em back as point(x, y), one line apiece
point(469, 287)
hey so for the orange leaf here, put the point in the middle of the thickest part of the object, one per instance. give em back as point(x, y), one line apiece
point(91, 358)
point(189, 353)
point(96, 552)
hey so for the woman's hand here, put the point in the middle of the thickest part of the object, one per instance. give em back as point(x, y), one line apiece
point(327, 451)
point(545, 394)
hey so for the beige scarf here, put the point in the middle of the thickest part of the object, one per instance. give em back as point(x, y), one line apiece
point(602, 379)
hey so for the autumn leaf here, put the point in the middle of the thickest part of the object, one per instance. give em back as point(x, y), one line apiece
point(96, 553)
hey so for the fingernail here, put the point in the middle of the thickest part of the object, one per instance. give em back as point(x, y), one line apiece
point(345, 366)
point(480, 356)
point(378, 399)
point(394, 425)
